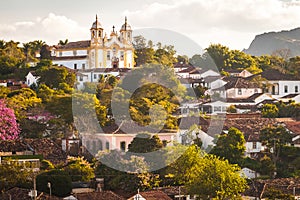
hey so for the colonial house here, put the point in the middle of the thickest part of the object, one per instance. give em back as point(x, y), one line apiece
point(238, 72)
point(280, 84)
point(179, 66)
point(253, 145)
point(93, 75)
point(290, 97)
point(213, 82)
point(238, 88)
point(32, 78)
point(101, 51)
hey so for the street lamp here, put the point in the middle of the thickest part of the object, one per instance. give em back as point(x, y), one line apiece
point(49, 186)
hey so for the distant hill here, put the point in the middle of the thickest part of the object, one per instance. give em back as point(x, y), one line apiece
point(267, 43)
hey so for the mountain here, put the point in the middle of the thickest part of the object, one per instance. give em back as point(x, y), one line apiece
point(267, 43)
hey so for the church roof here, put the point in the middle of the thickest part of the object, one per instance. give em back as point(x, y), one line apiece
point(96, 24)
point(125, 26)
point(75, 45)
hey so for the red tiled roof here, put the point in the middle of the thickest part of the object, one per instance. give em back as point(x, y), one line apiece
point(274, 75)
point(105, 195)
point(154, 195)
point(74, 45)
point(69, 58)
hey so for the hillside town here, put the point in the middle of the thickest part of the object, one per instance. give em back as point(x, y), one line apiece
point(226, 125)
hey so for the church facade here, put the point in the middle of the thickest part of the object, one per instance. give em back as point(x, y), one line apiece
point(101, 51)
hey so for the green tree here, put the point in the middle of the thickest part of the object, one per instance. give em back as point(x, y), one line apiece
point(12, 174)
point(144, 143)
point(79, 169)
point(53, 76)
point(61, 184)
point(11, 57)
point(220, 54)
point(267, 166)
point(129, 173)
point(231, 146)
point(207, 175)
point(275, 138)
point(22, 100)
point(232, 109)
point(269, 110)
point(273, 193)
point(143, 53)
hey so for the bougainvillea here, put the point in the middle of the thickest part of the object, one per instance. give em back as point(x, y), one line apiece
point(9, 128)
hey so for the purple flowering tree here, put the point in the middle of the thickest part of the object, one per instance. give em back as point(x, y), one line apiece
point(9, 128)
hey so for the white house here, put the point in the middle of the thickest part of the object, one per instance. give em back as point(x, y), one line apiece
point(238, 88)
point(280, 84)
point(291, 97)
point(249, 173)
point(253, 145)
point(32, 78)
point(239, 72)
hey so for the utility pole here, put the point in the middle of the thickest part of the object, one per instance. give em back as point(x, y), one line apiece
point(34, 187)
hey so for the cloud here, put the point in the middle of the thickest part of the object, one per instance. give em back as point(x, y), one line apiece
point(202, 18)
point(51, 29)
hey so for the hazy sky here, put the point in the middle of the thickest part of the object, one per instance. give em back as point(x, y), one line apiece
point(233, 23)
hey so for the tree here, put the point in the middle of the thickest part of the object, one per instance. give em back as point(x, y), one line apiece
point(267, 166)
point(207, 175)
point(129, 172)
point(12, 174)
point(79, 169)
point(53, 76)
point(143, 53)
point(220, 54)
point(11, 57)
point(144, 143)
point(231, 146)
point(269, 110)
point(232, 109)
point(61, 184)
point(22, 100)
point(9, 128)
point(275, 138)
point(61, 42)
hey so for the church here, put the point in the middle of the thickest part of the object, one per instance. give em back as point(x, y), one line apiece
point(100, 52)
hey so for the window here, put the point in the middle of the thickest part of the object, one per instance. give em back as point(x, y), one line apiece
point(81, 78)
point(122, 55)
point(83, 66)
point(239, 91)
point(107, 145)
point(100, 147)
point(254, 145)
point(108, 55)
point(95, 76)
point(74, 53)
point(60, 54)
point(75, 66)
point(123, 146)
point(286, 89)
point(114, 51)
point(296, 89)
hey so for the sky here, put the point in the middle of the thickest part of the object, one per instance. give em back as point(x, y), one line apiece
point(190, 25)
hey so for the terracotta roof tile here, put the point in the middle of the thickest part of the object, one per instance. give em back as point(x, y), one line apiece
point(74, 45)
point(105, 195)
